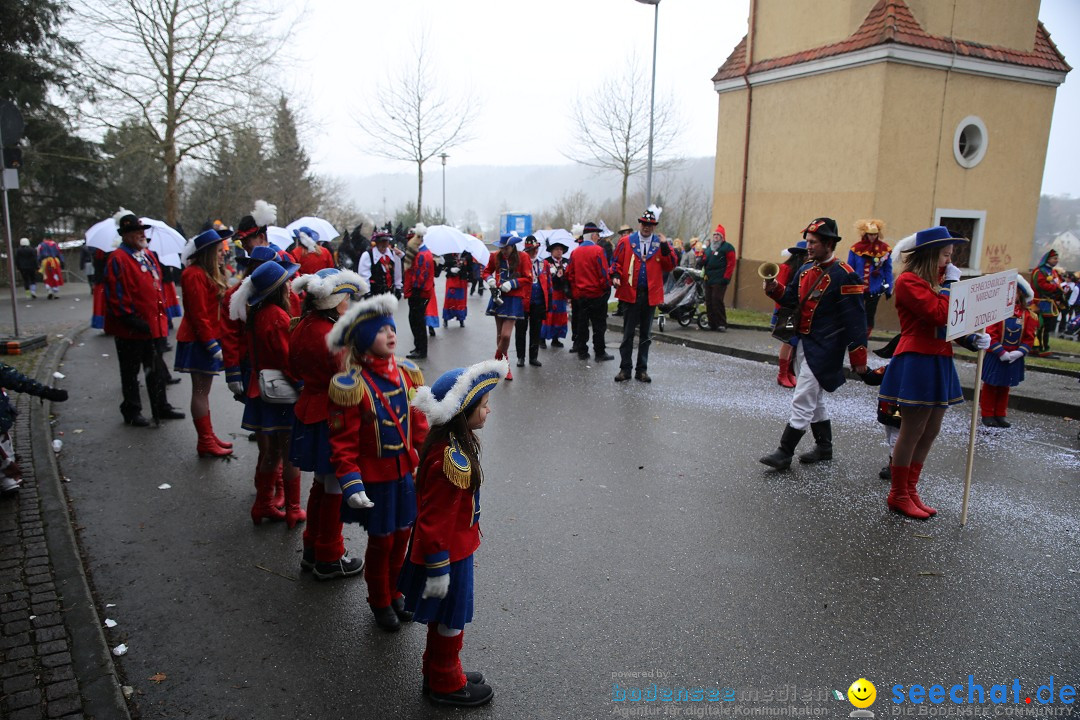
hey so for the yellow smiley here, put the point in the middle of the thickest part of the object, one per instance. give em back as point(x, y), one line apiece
point(862, 693)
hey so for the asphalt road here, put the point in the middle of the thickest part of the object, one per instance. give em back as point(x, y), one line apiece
point(628, 529)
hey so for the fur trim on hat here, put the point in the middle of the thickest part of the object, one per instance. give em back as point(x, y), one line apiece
point(323, 287)
point(785, 254)
point(440, 412)
point(904, 246)
point(577, 230)
point(420, 229)
point(122, 212)
point(1024, 286)
point(238, 303)
point(264, 213)
point(383, 304)
point(870, 226)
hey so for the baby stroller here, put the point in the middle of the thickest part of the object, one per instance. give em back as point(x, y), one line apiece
point(683, 298)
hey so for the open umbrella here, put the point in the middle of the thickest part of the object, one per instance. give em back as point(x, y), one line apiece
point(103, 236)
point(477, 249)
point(170, 259)
point(444, 240)
point(549, 236)
point(324, 228)
point(163, 239)
point(280, 238)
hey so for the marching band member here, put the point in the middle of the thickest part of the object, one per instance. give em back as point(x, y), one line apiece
point(438, 579)
point(555, 322)
point(373, 436)
point(536, 304)
point(52, 265)
point(455, 305)
point(921, 377)
point(327, 296)
point(419, 282)
point(309, 254)
point(509, 277)
point(1046, 282)
point(871, 260)
point(1011, 341)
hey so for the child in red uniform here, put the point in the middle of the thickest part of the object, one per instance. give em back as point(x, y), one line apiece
point(1011, 341)
point(262, 302)
point(373, 436)
point(438, 579)
point(328, 294)
point(198, 341)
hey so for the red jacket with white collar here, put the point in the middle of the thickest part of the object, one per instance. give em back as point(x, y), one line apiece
point(627, 262)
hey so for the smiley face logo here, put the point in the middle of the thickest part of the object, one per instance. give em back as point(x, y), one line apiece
point(862, 693)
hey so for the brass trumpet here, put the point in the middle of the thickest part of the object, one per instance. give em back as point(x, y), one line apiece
point(768, 270)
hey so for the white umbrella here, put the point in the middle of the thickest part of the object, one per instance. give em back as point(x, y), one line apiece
point(103, 236)
point(445, 240)
point(324, 228)
point(477, 249)
point(279, 237)
point(163, 239)
point(549, 236)
point(171, 259)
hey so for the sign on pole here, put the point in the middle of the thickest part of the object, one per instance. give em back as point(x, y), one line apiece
point(974, 305)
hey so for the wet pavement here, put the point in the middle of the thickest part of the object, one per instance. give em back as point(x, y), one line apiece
point(630, 537)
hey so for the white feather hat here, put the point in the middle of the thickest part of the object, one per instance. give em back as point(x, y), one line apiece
point(329, 285)
point(458, 390)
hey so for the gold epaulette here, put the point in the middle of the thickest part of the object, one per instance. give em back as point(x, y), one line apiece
point(415, 374)
point(293, 323)
point(347, 389)
point(456, 466)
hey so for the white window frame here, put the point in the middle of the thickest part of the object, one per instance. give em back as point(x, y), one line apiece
point(970, 120)
point(979, 216)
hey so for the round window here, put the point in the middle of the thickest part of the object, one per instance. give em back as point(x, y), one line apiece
point(969, 143)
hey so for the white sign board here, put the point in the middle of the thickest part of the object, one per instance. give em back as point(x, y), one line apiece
point(980, 302)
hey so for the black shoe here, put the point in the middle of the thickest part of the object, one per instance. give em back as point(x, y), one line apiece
point(521, 362)
point(885, 473)
point(720, 328)
point(344, 566)
point(431, 331)
point(780, 458)
point(473, 676)
point(583, 355)
point(578, 349)
point(557, 344)
point(471, 695)
point(642, 376)
point(823, 443)
point(535, 363)
point(387, 619)
point(623, 376)
point(414, 355)
point(543, 344)
point(137, 421)
point(168, 347)
point(1002, 422)
point(170, 413)
point(398, 606)
point(307, 560)
point(173, 381)
point(604, 356)
point(990, 421)
point(252, 437)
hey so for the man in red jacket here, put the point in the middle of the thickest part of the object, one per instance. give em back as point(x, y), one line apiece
point(641, 259)
point(590, 284)
point(135, 317)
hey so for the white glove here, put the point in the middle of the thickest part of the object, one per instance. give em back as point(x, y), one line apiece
point(1011, 356)
point(439, 260)
point(982, 340)
point(219, 357)
point(952, 273)
point(436, 587)
point(236, 387)
point(455, 270)
point(359, 501)
point(505, 287)
point(490, 283)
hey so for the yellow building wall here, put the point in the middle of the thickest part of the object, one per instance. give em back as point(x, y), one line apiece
point(1008, 23)
point(788, 26)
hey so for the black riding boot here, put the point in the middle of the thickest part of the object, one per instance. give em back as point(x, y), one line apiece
point(780, 458)
point(823, 437)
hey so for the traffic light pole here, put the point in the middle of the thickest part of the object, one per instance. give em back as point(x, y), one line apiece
point(10, 247)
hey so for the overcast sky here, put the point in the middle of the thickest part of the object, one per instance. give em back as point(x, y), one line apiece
point(527, 61)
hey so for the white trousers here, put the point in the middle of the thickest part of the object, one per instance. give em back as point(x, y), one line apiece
point(808, 404)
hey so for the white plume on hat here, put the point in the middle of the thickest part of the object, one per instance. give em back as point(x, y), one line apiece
point(420, 229)
point(1024, 286)
point(119, 214)
point(785, 254)
point(577, 229)
point(605, 232)
point(264, 213)
point(905, 245)
point(655, 210)
point(306, 240)
point(238, 304)
point(323, 287)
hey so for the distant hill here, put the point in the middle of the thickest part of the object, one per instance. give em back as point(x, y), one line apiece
point(487, 190)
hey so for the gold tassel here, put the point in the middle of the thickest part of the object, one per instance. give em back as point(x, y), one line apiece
point(293, 322)
point(347, 389)
point(456, 466)
point(413, 371)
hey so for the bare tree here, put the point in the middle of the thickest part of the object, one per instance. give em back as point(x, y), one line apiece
point(573, 207)
point(414, 117)
point(190, 70)
point(611, 128)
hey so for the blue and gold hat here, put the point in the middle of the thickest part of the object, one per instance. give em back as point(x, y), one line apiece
point(330, 286)
point(936, 237)
point(459, 390)
point(360, 324)
point(508, 239)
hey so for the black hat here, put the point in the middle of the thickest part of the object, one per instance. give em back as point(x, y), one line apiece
point(823, 227)
point(590, 227)
point(131, 223)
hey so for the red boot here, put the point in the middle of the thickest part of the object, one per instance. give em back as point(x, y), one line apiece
point(219, 441)
point(444, 662)
point(207, 446)
point(898, 499)
point(311, 529)
point(279, 488)
point(264, 494)
point(329, 544)
point(913, 480)
point(509, 375)
point(784, 377)
point(294, 512)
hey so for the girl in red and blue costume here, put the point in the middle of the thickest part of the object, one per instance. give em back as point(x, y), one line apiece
point(373, 436)
point(455, 306)
point(1011, 340)
point(438, 579)
point(327, 295)
point(308, 253)
point(511, 272)
point(198, 341)
point(921, 377)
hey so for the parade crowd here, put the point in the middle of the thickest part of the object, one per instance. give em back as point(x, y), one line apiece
point(310, 349)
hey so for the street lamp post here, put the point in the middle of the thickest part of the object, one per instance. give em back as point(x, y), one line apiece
point(444, 156)
point(652, 98)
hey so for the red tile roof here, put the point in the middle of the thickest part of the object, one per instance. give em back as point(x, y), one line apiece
point(891, 21)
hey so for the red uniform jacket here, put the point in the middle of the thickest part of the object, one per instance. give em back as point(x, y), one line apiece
point(587, 272)
point(923, 315)
point(419, 279)
point(234, 344)
point(202, 307)
point(134, 287)
point(312, 262)
point(268, 345)
point(314, 365)
point(627, 263)
point(541, 272)
point(365, 444)
point(448, 517)
point(520, 280)
point(1002, 342)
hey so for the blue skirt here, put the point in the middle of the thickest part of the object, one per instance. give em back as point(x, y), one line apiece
point(918, 380)
point(262, 416)
point(192, 357)
point(395, 507)
point(309, 449)
point(1002, 374)
point(454, 610)
point(512, 307)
